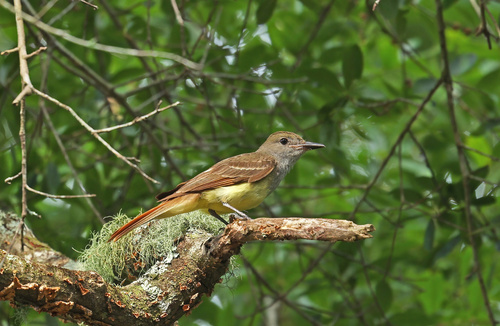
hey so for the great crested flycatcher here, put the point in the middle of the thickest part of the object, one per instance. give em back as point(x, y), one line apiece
point(237, 183)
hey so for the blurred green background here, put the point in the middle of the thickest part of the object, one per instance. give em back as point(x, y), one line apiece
point(334, 72)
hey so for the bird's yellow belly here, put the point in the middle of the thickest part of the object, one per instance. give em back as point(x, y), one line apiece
point(242, 197)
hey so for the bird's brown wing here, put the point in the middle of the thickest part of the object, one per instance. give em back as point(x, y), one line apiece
point(168, 193)
point(250, 167)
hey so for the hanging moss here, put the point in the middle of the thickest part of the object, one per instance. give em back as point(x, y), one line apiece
point(124, 260)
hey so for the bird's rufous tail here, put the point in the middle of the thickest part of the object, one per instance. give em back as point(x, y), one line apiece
point(179, 205)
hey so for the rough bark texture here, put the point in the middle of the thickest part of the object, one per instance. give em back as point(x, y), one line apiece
point(169, 290)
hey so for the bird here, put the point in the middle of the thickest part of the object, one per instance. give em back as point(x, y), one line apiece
point(235, 184)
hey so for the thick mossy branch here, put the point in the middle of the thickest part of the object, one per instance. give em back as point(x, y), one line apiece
point(184, 265)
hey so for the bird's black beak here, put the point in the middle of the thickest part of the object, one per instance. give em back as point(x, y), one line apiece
point(310, 145)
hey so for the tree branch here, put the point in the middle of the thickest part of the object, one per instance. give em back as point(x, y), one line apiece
point(102, 47)
point(170, 289)
point(462, 159)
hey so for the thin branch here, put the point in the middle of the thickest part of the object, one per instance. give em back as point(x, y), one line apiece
point(494, 184)
point(494, 21)
point(314, 33)
point(20, 97)
point(93, 78)
point(178, 15)
point(137, 119)
point(242, 31)
point(45, 9)
point(67, 159)
point(464, 170)
point(394, 146)
point(32, 54)
point(370, 287)
point(245, 77)
point(404, 47)
point(92, 131)
point(9, 51)
point(57, 196)
point(21, 45)
point(12, 178)
point(494, 158)
point(89, 4)
point(277, 295)
point(483, 27)
point(102, 47)
point(26, 90)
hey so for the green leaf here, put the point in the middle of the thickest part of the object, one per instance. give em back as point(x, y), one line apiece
point(483, 201)
point(423, 85)
point(322, 77)
point(430, 231)
point(481, 173)
point(489, 83)
point(434, 285)
point(265, 11)
point(352, 64)
point(462, 63)
point(332, 55)
point(448, 247)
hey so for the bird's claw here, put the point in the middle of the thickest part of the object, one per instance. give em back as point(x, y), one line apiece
point(235, 217)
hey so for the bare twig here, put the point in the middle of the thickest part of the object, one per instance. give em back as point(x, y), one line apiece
point(483, 27)
point(57, 196)
point(9, 51)
point(102, 47)
point(178, 15)
point(10, 179)
point(67, 159)
point(92, 131)
point(32, 54)
point(137, 119)
point(26, 90)
point(89, 4)
point(21, 45)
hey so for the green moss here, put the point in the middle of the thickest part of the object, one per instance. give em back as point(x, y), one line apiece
point(141, 248)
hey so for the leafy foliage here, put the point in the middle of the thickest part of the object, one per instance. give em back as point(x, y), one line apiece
point(332, 71)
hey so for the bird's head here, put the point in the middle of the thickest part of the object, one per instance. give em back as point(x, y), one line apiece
point(286, 145)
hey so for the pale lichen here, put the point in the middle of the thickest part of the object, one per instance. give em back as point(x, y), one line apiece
point(140, 249)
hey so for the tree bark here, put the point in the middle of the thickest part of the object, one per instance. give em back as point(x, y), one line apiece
point(167, 291)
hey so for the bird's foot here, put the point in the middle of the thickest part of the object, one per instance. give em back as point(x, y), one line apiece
point(239, 214)
point(217, 216)
point(234, 217)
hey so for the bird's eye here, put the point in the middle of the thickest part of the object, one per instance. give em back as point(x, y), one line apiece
point(283, 141)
